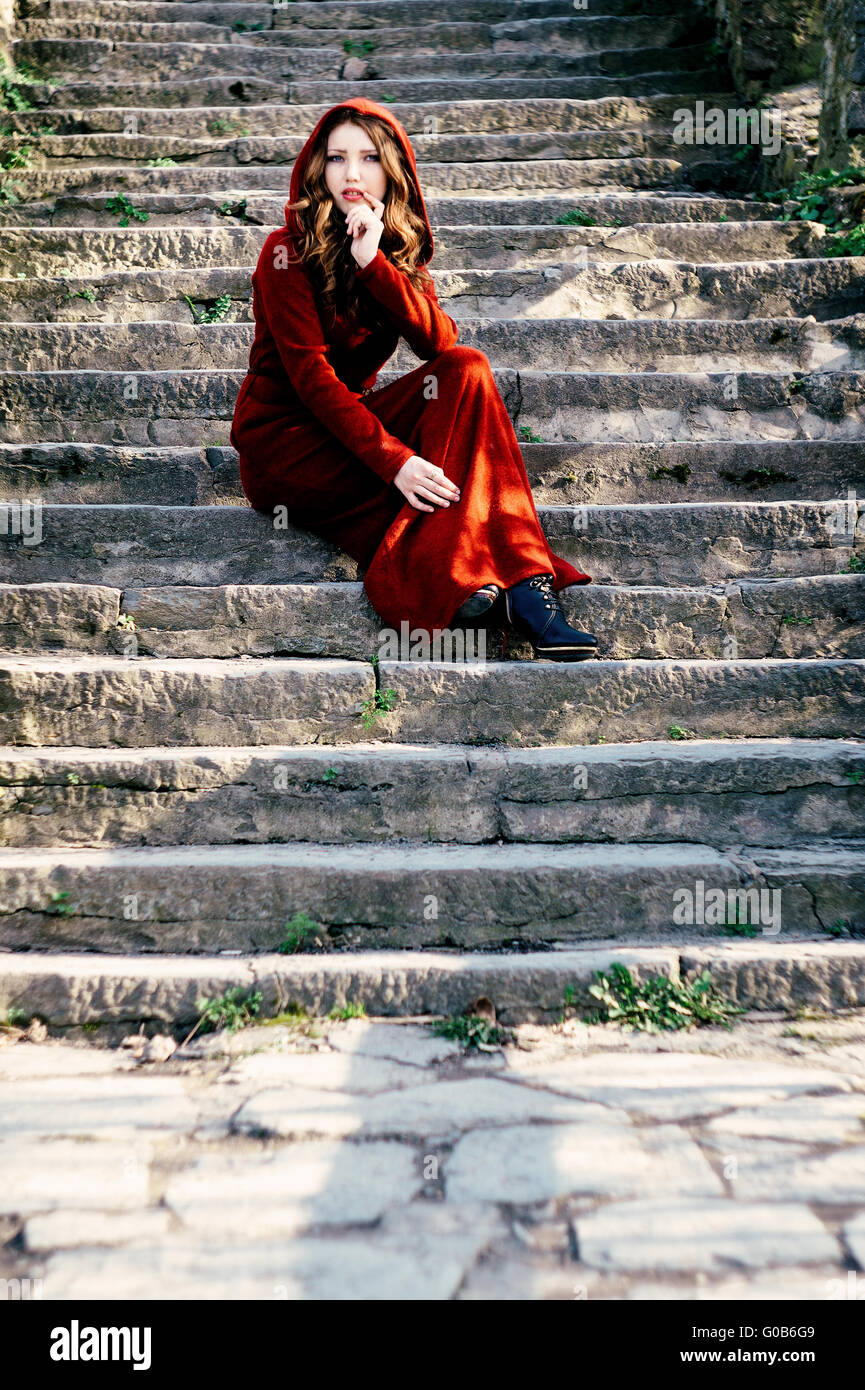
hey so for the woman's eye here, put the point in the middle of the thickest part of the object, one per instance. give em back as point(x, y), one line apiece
point(331, 158)
point(373, 156)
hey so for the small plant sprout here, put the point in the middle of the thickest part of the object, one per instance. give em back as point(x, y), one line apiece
point(16, 1017)
point(380, 702)
point(214, 314)
point(346, 1012)
point(162, 163)
point(73, 778)
point(676, 732)
point(528, 436)
point(61, 906)
point(855, 565)
point(329, 775)
point(235, 1009)
point(127, 621)
point(124, 210)
point(299, 932)
point(797, 620)
point(575, 218)
point(358, 48)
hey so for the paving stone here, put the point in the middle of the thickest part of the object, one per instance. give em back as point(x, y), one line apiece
point(432, 1111)
point(421, 1251)
point(829, 1119)
point(704, 1234)
point(26, 1061)
point(398, 1042)
point(687, 1085)
point(523, 1163)
point(99, 1106)
point(263, 1196)
point(70, 1230)
point(42, 1176)
point(834, 1177)
point(334, 1071)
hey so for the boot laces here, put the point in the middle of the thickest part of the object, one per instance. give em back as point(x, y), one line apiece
point(544, 585)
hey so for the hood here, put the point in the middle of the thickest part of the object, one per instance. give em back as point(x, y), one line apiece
point(365, 108)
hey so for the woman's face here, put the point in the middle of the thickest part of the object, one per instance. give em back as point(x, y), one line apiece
point(353, 167)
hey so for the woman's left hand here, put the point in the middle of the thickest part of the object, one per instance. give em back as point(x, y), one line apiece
point(364, 225)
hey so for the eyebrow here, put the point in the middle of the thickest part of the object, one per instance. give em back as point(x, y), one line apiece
point(339, 149)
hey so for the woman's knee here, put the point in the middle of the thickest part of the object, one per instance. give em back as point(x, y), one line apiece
point(467, 361)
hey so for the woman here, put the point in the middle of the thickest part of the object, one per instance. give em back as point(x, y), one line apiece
point(421, 482)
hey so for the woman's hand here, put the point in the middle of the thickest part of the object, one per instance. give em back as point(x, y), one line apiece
point(364, 225)
point(422, 482)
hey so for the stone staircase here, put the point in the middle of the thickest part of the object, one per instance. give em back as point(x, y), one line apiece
point(182, 684)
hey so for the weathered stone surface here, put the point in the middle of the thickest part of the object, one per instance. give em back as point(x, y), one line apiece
point(359, 1039)
point(25, 1061)
point(542, 703)
point(263, 1196)
point(533, 1163)
point(419, 1251)
point(87, 701)
point(830, 1178)
point(812, 616)
point(434, 1112)
point(323, 1071)
point(836, 1119)
point(701, 1234)
point(43, 1174)
point(694, 1085)
point(102, 1106)
point(70, 1230)
point(205, 897)
point(822, 975)
point(721, 793)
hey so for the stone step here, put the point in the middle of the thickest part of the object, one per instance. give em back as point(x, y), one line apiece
point(78, 252)
point(231, 148)
point(651, 544)
point(418, 118)
point(508, 176)
point(262, 209)
point(318, 14)
point(206, 898)
point(239, 89)
point(699, 471)
point(567, 38)
point(611, 345)
point(570, 34)
point(65, 59)
point(809, 617)
point(182, 407)
point(825, 289)
point(723, 794)
point(115, 701)
point(69, 990)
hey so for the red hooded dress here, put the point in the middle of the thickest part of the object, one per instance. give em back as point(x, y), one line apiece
point(313, 438)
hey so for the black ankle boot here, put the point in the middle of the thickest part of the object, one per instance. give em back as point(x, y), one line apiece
point(478, 603)
point(533, 610)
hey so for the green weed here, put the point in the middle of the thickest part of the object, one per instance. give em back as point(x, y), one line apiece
point(475, 1034)
point(299, 930)
point(348, 1011)
point(125, 210)
point(380, 702)
point(658, 1004)
point(235, 1009)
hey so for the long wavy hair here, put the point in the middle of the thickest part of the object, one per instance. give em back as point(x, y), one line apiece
point(323, 246)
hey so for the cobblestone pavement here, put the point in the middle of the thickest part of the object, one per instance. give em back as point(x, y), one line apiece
point(371, 1159)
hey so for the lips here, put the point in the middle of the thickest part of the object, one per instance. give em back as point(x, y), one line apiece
point(352, 195)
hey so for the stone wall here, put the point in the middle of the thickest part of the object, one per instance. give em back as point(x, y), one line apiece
point(7, 17)
point(773, 44)
point(842, 117)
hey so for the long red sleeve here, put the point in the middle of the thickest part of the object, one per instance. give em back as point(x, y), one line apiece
point(417, 314)
point(287, 301)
